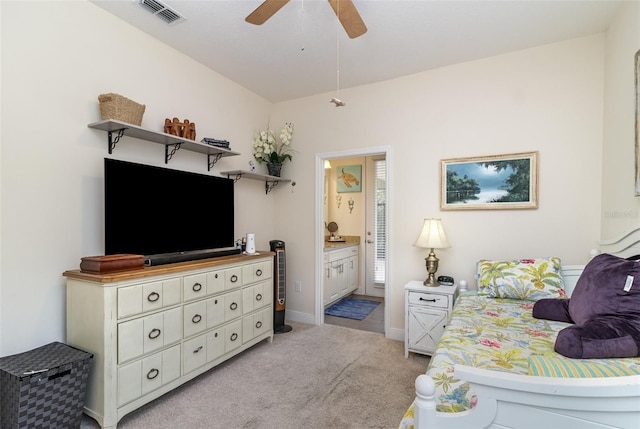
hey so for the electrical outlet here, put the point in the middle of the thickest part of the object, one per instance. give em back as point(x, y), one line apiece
point(298, 286)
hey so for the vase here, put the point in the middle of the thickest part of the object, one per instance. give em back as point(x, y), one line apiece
point(274, 168)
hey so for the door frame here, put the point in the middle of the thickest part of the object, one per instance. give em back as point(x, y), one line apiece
point(319, 223)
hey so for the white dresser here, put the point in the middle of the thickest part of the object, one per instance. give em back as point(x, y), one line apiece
point(155, 328)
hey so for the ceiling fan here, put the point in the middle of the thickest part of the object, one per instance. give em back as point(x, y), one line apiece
point(344, 9)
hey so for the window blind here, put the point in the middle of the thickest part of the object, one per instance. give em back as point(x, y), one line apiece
point(380, 221)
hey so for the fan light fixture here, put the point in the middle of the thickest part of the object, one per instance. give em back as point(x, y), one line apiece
point(432, 236)
point(344, 9)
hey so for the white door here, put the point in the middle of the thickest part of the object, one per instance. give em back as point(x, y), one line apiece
point(375, 229)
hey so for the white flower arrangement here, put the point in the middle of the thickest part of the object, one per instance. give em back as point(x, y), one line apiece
point(267, 149)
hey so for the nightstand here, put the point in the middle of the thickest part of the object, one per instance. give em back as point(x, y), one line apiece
point(426, 314)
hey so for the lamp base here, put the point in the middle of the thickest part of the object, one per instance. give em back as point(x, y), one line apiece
point(432, 267)
point(431, 281)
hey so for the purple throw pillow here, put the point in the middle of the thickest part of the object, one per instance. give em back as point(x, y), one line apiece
point(609, 285)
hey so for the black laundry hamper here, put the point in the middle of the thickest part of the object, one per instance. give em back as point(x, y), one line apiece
point(44, 387)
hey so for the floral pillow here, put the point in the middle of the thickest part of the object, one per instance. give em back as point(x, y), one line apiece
point(530, 279)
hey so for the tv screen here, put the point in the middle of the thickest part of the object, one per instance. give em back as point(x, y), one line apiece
point(152, 210)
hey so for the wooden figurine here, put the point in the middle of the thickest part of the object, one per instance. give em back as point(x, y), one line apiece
point(185, 129)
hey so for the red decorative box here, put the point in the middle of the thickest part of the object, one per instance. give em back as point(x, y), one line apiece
point(110, 263)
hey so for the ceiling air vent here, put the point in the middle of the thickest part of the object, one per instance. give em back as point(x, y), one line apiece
point(162, 11)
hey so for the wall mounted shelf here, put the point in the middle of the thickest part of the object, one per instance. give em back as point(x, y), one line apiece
point(116, 129)
point(270, 182)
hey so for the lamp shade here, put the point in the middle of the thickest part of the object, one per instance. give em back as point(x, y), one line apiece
point(432, 235)
point(327, 164)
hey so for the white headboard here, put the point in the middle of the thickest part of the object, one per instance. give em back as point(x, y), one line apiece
point(624, 246)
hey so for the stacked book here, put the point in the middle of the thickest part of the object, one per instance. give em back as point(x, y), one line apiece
point(215, 142)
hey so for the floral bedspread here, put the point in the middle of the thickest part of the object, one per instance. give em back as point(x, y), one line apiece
point(493, 333)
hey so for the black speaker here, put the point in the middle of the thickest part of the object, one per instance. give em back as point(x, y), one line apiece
point(279, 286)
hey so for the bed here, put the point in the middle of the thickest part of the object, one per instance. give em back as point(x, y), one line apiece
point(495, 367)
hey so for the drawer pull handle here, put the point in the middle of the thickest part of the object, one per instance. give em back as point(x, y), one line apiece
point(428, 300)
point(215, 335)
point(215, 301)
point(233, 306)
point(153, 374)
point(234, 336)
point(198, 349)
point(196, 319)
point(153, 297)
point(234, 278)
point(154, 333)
point(258, 272)
point(259, 297)
point(258, 324)
point(216, 276)
point(197, 287)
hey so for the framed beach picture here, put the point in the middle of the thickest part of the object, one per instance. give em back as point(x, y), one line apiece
point(490, 182)
point(349, 178)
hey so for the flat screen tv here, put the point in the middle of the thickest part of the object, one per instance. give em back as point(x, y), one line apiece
point(152, 210)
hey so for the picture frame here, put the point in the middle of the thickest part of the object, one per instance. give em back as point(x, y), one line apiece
point(349, 178)
point(497, 182)
point(636, 67)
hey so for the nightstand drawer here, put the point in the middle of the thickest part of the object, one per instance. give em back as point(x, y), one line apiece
point(429, 299)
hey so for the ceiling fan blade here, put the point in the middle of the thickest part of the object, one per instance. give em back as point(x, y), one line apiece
point(265, 11)
point(349, 17)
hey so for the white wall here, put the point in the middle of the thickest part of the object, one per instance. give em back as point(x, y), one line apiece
point(57, 57)
point(620, 207)
point(547, 99)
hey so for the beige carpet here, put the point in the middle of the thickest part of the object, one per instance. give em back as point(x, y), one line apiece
point(312, 377)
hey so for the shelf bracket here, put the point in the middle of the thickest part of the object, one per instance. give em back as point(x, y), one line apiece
point(269, 185)
point(168, 155)
point(114, 141)
point(213, 158)
point(236, 177)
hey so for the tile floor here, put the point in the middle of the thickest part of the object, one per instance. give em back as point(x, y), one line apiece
point(372, 323)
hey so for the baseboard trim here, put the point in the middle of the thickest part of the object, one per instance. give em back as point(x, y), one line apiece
point(395, 334)
point(298, 316)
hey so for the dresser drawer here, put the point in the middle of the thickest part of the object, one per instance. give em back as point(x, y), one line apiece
point(233, 336)
point(215, 344)
point(232, 305)
point(145, 375)
point(257, 324)
point(195, 318)
point(195, 353)
point(257, 272)
point(257, 296)
point(142, 298)
point(208, 313)
point(195, 286)
point(232, 278)
point(429, 299)
point(147, 334)
point(210, 283)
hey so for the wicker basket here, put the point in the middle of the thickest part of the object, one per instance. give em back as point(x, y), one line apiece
point(114, 106)
point(44, 387)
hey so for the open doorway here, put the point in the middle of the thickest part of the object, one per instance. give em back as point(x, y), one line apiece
point(358, 212)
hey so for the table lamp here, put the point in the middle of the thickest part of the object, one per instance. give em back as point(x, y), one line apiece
point(432, 237)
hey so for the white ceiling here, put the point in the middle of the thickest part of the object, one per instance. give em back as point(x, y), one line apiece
point(295, 53)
